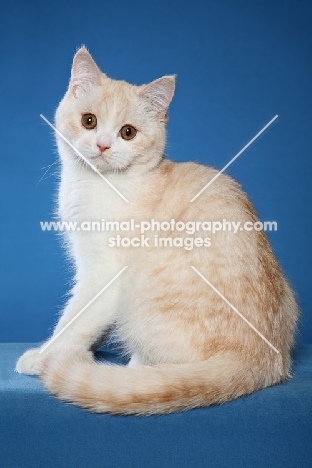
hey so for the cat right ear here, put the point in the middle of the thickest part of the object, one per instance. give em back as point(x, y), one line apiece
point(84, 74)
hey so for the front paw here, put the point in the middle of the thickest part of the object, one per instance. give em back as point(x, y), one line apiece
point(30, 362)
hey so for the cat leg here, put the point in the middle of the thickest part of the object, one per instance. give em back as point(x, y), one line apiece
point(86, 328)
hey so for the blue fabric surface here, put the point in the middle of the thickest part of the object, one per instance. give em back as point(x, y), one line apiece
point(271, 428)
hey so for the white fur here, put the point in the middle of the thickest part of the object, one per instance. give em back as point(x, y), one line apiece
point(84, 196)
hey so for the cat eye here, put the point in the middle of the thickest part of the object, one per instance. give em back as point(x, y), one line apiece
point(128, 132)
point(89, 121)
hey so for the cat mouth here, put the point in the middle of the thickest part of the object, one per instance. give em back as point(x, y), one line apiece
point(98, 157)
point(100, 161)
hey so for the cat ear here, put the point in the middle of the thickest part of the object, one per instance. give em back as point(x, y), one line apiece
point(84, 74)
point(158, 95)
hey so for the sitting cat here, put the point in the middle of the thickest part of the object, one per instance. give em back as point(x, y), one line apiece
point(188, 347)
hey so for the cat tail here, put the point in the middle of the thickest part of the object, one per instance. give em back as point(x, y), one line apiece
point(145, 390)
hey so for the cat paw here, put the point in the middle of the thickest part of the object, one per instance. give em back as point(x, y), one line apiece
point(30, 362)
point(135, 360)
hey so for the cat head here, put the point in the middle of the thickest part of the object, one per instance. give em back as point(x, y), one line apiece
point(114, 124)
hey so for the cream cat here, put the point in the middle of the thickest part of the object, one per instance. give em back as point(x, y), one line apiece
point(188, 347)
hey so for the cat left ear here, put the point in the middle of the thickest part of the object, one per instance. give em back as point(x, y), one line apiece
point(158, 95)
point(84, 74)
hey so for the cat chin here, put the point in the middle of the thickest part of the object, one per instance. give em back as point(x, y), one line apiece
point(103, 166)
point(98, 158)
point(98, 161)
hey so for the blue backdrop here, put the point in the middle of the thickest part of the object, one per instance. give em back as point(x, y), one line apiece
point(238, 64)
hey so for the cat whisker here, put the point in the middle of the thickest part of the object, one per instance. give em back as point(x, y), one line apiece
point(47, 170)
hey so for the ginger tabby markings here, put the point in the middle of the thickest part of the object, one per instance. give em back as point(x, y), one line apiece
point(188, 347)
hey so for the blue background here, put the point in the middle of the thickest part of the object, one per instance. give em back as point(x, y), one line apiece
point(238, 64)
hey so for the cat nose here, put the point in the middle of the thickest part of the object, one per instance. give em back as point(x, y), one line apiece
point(102, 148)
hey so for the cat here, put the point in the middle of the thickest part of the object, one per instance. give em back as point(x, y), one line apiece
point(188, 347)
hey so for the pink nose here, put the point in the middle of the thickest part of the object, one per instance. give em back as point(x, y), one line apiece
point(102, 148)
